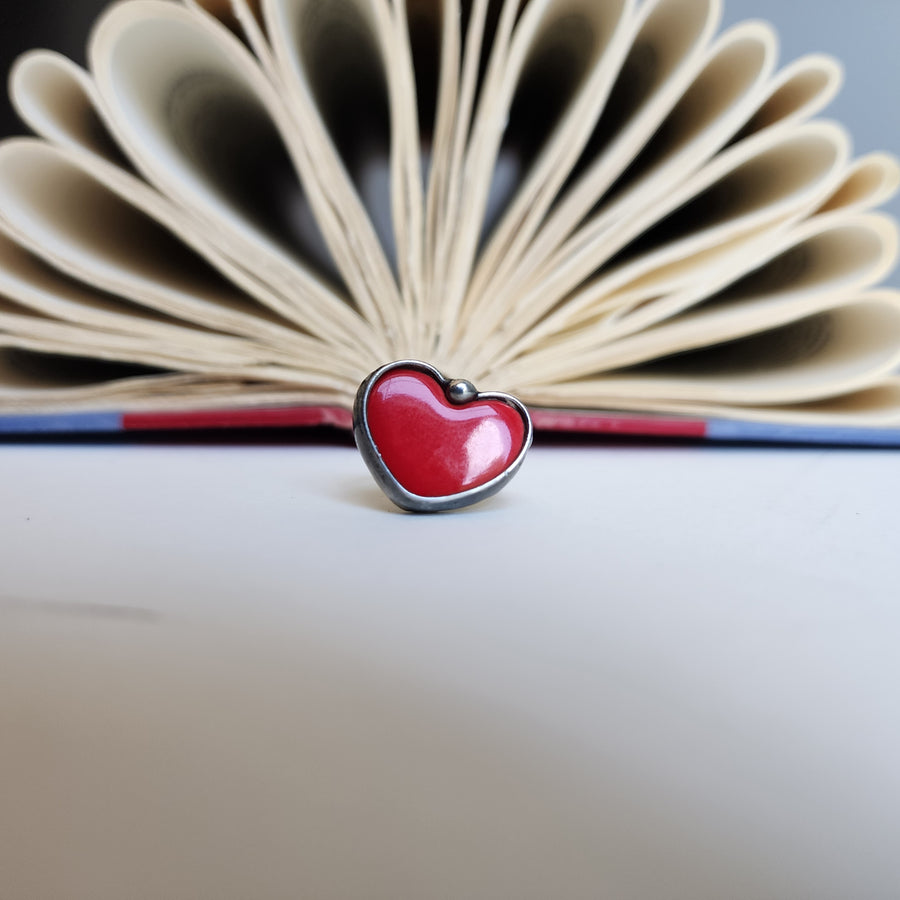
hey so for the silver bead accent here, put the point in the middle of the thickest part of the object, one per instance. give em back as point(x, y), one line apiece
point(460, 391)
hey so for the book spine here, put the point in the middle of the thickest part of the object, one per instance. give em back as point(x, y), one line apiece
point(276, 417)
point(613, 423)
point(736, 431)
point(62, 423)
point(562, 422)
point(193, 420)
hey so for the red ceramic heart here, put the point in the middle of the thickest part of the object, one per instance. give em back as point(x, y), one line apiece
point(434, 447)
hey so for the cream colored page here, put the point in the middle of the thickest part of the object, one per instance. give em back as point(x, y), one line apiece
point(244, 20)
point(837, 351)
point(475, 141)
point(60, 102)
point(821, 257)
point(773, 276)
point(57, 100)
point(407, 190)
point(449, 99)
point(32, 382)
point(447, 181)
point(820, 266)
point(670, 38)
point(875, 406)
point(48, 336)
point(34, 283)
point(586, 42)
point(733, 75)
point(57, 314)
point(793, 96)
point(84, 229)
point(211, 132)
point(761, 183)
point(660, 291)
point(576, 51)
point(331, 55)
point(870, 181)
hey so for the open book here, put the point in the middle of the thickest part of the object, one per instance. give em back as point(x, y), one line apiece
point(605, 207)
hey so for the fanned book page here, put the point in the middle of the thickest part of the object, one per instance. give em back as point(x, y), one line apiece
point(626, 217)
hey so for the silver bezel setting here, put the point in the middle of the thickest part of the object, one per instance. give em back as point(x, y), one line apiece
point(382, 475)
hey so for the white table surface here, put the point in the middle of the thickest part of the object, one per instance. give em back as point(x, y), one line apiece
point(653, 672)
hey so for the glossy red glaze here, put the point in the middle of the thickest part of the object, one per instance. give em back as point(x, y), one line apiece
point(433, 447)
